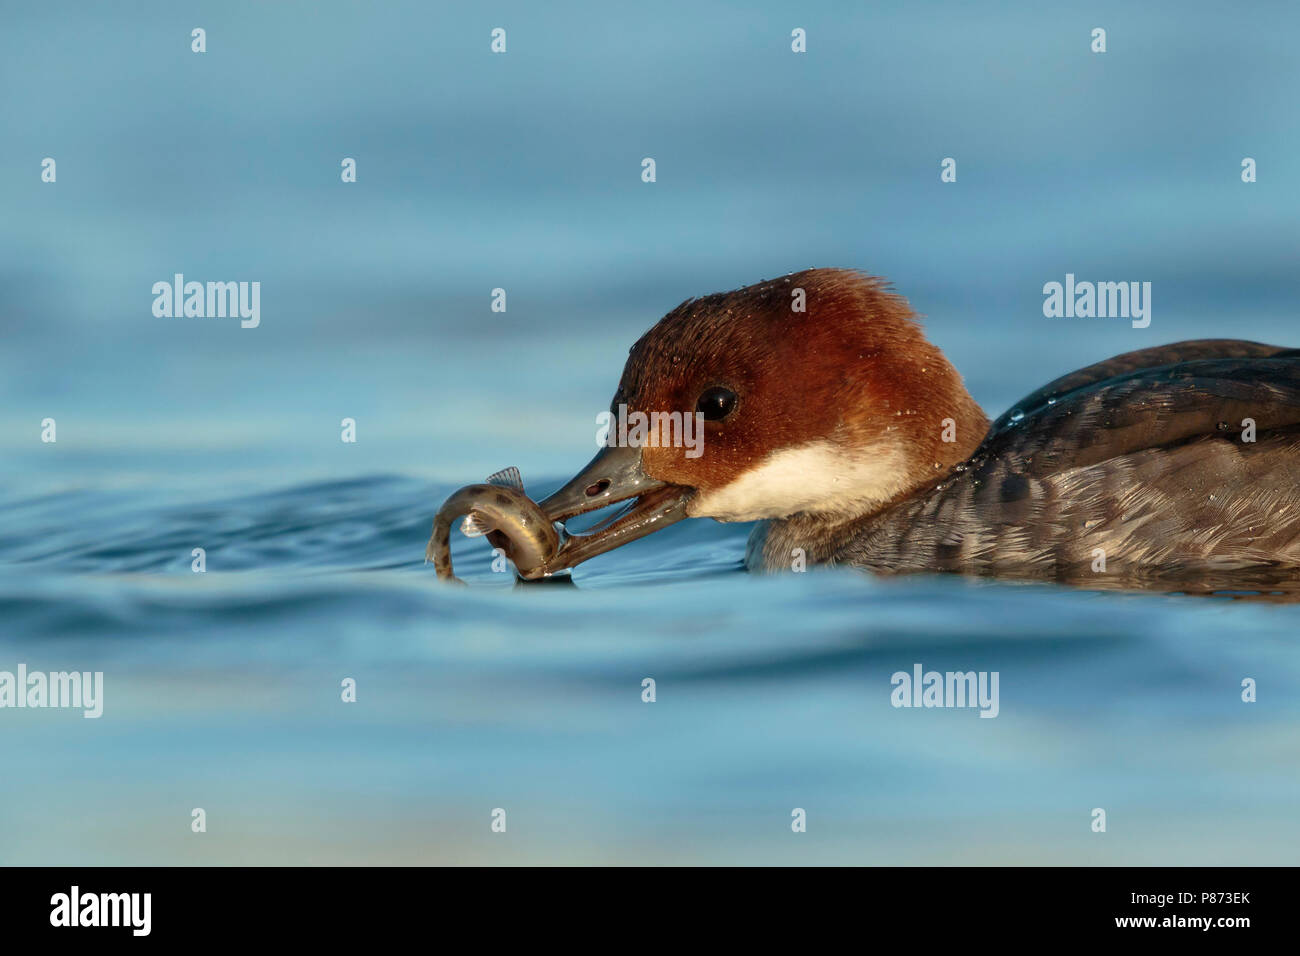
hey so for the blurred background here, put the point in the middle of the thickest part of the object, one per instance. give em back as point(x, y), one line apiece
point(523, 171)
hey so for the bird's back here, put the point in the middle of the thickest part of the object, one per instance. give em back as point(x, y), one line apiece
point(1173, 467)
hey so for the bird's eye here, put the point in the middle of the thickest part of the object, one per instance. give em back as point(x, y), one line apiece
point(716, 403)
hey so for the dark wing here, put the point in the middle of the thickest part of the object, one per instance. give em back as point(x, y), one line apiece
point(1152, 467)
point(1158, 355)
point(1148, 408)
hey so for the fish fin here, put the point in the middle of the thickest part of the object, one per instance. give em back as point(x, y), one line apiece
point(507, 478)
point(474, 525)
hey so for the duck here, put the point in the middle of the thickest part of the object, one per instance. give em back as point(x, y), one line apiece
point(833, 423)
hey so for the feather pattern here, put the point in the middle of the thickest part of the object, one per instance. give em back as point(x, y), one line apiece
point(1141, 469)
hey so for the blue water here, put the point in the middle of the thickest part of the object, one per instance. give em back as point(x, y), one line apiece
point(522, 171)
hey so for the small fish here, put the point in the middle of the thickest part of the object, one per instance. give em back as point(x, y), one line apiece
point(499, 505)
point(472, 526)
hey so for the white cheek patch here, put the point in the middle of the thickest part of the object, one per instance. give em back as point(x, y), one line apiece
point(819, 477)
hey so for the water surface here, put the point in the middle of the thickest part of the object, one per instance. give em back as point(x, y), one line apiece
point(523, 172)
